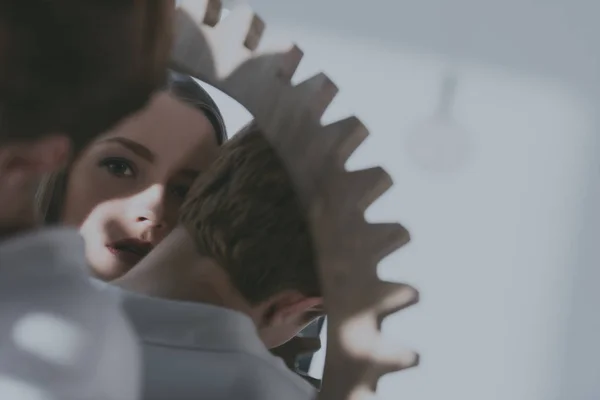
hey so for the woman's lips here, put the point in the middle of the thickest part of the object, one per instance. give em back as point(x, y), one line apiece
point(130, 251)
point(126, 256)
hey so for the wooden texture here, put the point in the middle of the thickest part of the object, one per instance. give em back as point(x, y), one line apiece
point(228, 55)
point(77, 67)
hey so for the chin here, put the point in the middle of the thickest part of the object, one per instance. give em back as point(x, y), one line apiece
point(107, 270)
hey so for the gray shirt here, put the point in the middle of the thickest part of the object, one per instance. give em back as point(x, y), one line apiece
point(199, 351)
point(61, 338)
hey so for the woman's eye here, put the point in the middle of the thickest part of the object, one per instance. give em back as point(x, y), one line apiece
point(116, 167)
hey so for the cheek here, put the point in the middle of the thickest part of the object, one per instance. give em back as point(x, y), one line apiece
point(88, 191)
point(78, 204)
point(103, 223)
point(171, 212)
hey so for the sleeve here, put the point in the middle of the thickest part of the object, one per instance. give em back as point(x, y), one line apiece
point(62, 338)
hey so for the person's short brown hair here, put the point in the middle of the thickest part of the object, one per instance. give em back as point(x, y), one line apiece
point(244, 214)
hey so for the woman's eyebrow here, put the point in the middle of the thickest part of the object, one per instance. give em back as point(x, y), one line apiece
point(133, 146)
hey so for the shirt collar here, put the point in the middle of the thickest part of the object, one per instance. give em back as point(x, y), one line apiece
point(190, 325)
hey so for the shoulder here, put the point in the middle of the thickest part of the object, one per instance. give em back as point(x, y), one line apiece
point(55, 312)
point(56, 254)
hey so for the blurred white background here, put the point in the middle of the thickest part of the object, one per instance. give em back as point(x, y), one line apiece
point(505, 245)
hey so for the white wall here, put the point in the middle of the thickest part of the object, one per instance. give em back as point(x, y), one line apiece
point(503, 249)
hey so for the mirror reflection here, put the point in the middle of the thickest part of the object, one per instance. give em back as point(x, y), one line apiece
point(124, 193)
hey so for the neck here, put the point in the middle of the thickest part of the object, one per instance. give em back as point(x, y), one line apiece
point(175, 270)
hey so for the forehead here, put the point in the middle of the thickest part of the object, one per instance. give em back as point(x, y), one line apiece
point(171, 129)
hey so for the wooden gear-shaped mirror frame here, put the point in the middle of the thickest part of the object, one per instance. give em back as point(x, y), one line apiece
point(227, 56)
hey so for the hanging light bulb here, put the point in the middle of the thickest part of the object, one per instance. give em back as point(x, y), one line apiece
point(440, 144)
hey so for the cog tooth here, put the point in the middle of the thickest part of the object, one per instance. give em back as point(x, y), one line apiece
point(317, 93)
point(357, 189)
point(391, 297)
point(282, 63)
point(191, 52)
point(344, 137)
point(374, 182)
point(379, 240)
point(289, 62)
point(241, 25)
point(328, 149)
point(363, 362)
point(213, 12)
point(254, 33)
point(385, 361)
point(207, 12)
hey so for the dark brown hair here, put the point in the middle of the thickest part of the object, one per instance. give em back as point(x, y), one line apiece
point(244, 214)
point(77, 67)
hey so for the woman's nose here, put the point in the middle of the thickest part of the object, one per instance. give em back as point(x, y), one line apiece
point(150, 220)
point(150, 208)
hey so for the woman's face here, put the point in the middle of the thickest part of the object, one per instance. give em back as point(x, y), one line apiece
point(125, 190)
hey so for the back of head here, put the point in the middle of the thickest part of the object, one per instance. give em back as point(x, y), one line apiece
point(77, 67)
point(244, 214)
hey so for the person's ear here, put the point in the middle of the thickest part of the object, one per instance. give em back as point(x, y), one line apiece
point(286, 314)
point(20, 161)
point(292, 307)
